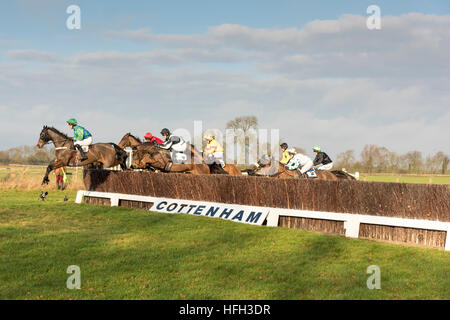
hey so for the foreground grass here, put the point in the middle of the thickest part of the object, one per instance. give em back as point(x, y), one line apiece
point(135, 254)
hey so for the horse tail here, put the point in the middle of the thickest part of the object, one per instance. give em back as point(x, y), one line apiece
point(343, 175)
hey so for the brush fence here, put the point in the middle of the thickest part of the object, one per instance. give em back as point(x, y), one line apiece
point(416, 214)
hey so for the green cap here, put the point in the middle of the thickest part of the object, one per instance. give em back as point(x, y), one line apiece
point(317, 148)
point(72, 121)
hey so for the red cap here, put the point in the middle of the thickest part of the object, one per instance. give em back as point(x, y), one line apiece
point(148, 135)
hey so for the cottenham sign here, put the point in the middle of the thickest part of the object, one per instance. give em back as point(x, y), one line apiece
point(232, 212)
point(237, 213)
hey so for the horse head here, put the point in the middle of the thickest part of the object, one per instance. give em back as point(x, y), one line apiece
point(44, 138)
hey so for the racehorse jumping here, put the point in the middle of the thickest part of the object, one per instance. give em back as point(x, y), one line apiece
point(106, 154)
point(161, 160)
point(129, 140)
point(276, 169)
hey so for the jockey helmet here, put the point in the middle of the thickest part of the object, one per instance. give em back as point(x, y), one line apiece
point(292, 151)
point(317, 148)
point(72, 121)
point(148, 135)
point(284, 145)
point(265, 160)
point(165, 131)
point(208, 137)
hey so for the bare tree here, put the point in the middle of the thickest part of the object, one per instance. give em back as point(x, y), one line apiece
point(244, 131)
point(244, 123)
point(345, 159)
point(436, 163)
point(414, 161)
point(445, 163)
point(369, 154)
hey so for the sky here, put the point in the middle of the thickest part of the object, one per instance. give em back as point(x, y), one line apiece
point(311, 69)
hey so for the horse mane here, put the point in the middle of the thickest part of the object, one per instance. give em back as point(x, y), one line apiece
point(58, 132)
point(133, 136)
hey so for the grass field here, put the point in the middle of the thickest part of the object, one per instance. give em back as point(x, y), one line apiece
point(408, 179)
point(135, 254)
point(30, 178)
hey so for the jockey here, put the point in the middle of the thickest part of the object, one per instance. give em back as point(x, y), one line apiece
point(149, 138)
point(298, 161)
point(213, 151)
point(82, 137)
point(285, 155)
point(322, 161)
point(175, 144)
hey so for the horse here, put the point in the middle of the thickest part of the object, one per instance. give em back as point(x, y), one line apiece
point(231, 169)
point(161, 160)
point(106, 154)
point(129, 140)
point(276, 169)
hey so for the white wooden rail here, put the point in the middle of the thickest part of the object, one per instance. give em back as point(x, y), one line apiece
point(351, 221)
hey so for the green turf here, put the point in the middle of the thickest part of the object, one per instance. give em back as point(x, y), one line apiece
point(135, 254)
point(408, 179)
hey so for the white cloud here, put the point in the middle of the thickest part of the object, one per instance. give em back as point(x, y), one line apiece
point(333, 83)
point(33, 55)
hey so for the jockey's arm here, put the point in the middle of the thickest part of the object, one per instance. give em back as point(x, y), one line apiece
point(318, 159)
point(166, 145)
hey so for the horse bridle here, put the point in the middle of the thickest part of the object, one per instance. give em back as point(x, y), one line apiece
point(47, 139)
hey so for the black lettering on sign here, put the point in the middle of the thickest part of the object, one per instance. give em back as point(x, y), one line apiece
point(199, 209)
point(239, 216)
point(212, 211)
point(159, 206)
point(172, 207)
point(226, 213)
point(192, 206)
point(252, 218)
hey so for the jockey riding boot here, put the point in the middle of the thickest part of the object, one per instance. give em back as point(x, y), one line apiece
point(82, 153)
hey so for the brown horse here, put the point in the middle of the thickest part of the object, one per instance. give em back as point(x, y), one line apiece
point(232, 170)
point(276, 169)
point(129, 140)
point(106, 154)
point(161, 160)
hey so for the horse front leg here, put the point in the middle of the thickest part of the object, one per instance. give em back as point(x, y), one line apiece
point(52, 166)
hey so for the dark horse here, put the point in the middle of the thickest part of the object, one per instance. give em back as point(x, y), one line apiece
point(276, 169)
point(161, 160)
point(129, 140)
point(106, 154)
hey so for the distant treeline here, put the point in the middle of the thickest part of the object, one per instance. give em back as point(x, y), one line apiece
point(376, 159)
point(27, 155)
point(373, 159)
